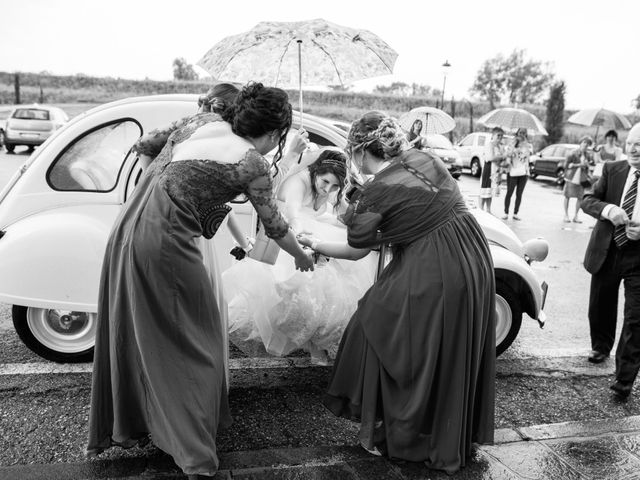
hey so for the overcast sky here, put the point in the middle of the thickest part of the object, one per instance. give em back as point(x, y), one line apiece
point(594, 46)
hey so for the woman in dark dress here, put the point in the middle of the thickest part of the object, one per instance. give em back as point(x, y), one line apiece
point(159, 356)
point(416, 364)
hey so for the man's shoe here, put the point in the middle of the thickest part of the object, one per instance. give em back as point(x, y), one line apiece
point(597, 357)
point(621, 390)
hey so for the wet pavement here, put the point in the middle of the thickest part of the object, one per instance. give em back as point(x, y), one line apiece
point(281, 432)
point(598, 450)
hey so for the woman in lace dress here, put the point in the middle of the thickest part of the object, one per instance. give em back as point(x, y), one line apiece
point(219, 99)
point(159, 358)
point(416, 363)
point(283, 310)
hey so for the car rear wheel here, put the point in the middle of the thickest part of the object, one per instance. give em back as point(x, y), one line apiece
point(475, 167)
point(508, 316)
point(3, 141)
point(58, 335)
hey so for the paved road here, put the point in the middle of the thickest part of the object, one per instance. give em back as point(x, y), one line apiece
point(566, 333)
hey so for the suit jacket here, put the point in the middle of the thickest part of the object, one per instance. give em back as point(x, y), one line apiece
point(608, 189)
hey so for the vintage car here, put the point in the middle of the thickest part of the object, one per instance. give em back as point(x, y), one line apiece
point(57, 210)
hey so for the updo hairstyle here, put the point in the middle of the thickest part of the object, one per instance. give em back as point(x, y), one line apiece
point(218, 99)
point(257, 110)
point(378, 134)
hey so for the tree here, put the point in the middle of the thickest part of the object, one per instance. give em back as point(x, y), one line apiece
point(515, 78)
point(489, 83)
point(183, 70)
point(555, 113)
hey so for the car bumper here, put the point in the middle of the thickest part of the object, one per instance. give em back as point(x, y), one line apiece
point(26, 138)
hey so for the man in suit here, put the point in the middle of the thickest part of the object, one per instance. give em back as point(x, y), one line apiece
point(612, 256)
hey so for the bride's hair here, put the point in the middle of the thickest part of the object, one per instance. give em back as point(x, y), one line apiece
point(218, 98)
point(330, 161)
point(258, 110)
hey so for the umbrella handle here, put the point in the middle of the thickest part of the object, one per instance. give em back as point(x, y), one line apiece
point(300, 78)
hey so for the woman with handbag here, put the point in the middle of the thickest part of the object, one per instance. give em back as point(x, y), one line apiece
point(416, 364)
point(576, 176)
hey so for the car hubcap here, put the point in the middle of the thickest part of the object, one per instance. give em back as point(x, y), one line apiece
point(62, 330)
point(504, 319)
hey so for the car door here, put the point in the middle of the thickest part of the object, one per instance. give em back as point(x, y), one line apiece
point(465, 148)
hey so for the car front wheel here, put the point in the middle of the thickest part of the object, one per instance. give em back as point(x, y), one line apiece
point(475, 167)
point(508, 316)
point(58, 335)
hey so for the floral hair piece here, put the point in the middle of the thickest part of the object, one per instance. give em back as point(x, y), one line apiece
point(389, 133)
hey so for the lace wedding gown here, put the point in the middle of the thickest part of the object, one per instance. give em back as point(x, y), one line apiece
point(278, 309)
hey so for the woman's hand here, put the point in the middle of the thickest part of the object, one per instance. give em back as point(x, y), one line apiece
point(304, 262)
point(305, 239)
point(299, 142)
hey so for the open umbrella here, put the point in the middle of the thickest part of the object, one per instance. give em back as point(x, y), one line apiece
point(600, 117)
point(273, 52)
point(512, 119)
point(433, 120)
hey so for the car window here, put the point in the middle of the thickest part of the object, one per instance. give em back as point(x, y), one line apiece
point(31, 114)
point(467, 141)
point(548, 151)
point(481, 141)
point(92, 162)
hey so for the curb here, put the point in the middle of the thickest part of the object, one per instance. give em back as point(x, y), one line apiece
point(338, 461)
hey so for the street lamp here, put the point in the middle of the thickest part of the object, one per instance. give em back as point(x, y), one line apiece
point(445, 69)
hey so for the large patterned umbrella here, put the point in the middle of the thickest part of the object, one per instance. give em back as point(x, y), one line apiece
point(513, 118)
point(600, 117)
point(290, 54)
point(433, 120)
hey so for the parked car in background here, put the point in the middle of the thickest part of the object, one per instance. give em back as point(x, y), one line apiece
point(440, 146)
point(471, 150)
point(56, 213)
point(30, 125)
point(549, 161)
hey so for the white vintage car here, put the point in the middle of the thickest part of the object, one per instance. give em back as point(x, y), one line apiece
point(57, 210)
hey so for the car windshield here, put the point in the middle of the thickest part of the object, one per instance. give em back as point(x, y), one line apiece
point(438, 141)
point(31, 114)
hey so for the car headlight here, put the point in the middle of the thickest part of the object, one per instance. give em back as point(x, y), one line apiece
point(535, 249)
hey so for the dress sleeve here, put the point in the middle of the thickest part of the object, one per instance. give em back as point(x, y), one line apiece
point(259, 189)
point(362, 222)
point(153, 142)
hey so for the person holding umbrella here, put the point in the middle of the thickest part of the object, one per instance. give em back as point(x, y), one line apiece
point(517, 171)
point(414, 136)
point(416, 364)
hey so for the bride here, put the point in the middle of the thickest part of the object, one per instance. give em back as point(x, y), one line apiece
point(281, 310)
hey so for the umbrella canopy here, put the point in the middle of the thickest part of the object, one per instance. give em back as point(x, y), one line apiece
point(272, 53)
point(600, 117)
point(433, 120)
point(512, 119)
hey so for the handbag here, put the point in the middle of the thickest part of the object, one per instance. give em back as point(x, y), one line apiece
point(587, 182)
point(265, 249)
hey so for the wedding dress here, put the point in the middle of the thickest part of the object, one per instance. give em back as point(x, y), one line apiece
point(279, 309)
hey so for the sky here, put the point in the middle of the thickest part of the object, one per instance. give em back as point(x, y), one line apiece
point(594, 46)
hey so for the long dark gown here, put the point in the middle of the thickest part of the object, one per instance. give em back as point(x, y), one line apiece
point(416, 364)
point(159, 356)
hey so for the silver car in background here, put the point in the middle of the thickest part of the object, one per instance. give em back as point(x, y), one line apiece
point(30, 125)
